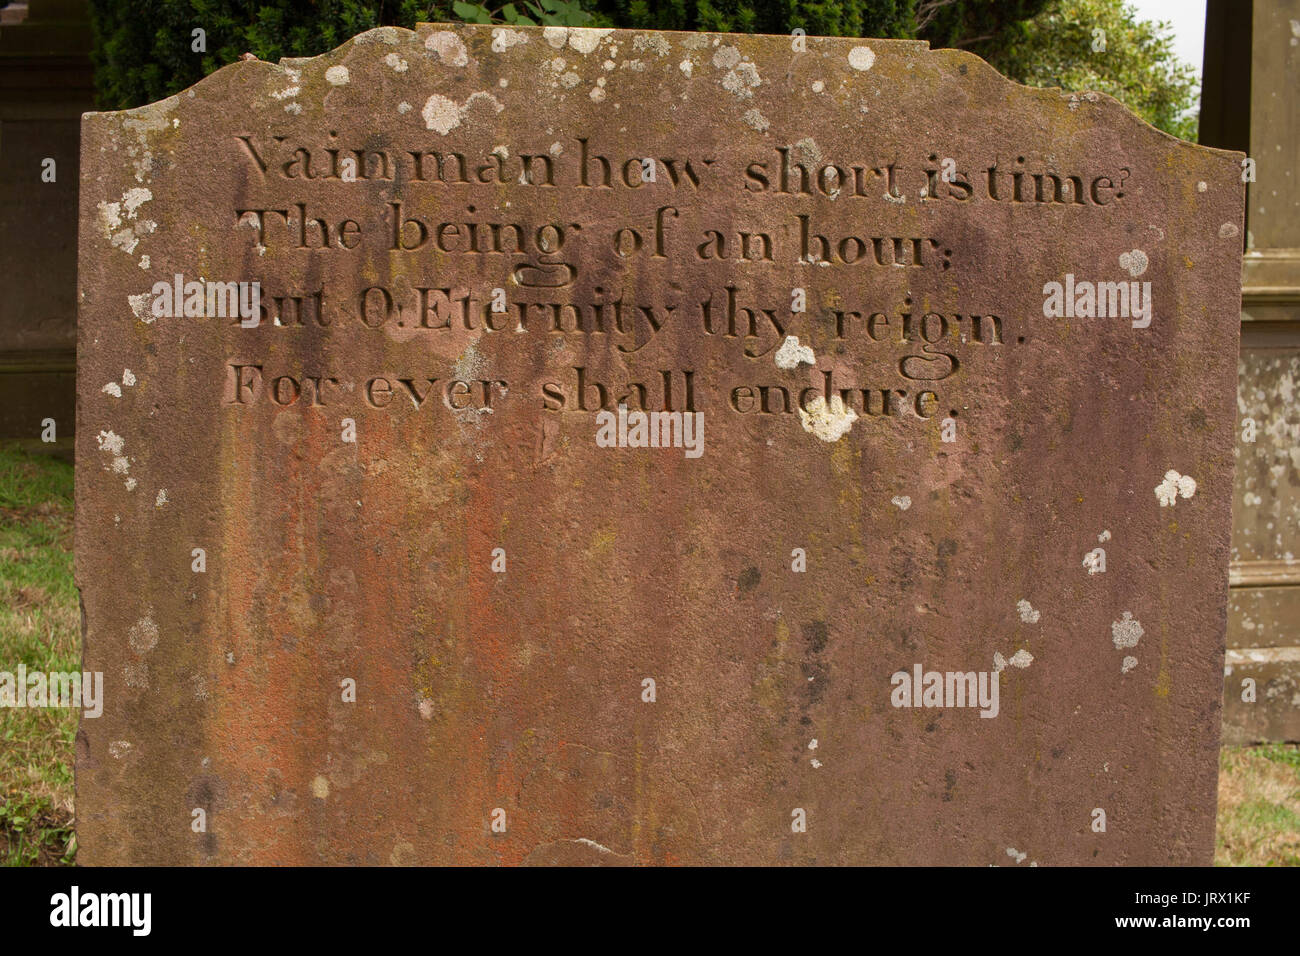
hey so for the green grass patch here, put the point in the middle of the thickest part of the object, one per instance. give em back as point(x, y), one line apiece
point(39, 628)
point(1259, 806)
point(1287, 754)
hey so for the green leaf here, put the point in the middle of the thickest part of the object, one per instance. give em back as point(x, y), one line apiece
point(471, 12)
point(571, 14)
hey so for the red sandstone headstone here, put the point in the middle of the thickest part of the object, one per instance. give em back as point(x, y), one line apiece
point(948, 366)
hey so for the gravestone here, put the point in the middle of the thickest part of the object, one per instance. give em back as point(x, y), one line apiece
point(45, 85)
point(1257, 110)
point(651, 448)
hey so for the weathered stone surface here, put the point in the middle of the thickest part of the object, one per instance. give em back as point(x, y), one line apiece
point(1261, 694)
point(1256, 107)
point(773, 588)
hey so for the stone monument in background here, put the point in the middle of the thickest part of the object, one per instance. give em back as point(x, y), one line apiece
point(45, 85)
point(1251, 103)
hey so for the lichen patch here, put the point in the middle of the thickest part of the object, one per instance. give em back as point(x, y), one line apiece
point(862, 58)
point(791, 353)
point(828, 422)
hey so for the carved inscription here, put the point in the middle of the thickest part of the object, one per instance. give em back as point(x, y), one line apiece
point(476, 267)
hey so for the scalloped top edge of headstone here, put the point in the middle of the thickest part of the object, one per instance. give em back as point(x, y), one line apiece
point(391, 36)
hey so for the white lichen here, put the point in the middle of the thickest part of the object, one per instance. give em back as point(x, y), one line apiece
point(140, 306)
point(862, 58)
point(1134, 262)
point(1173, 487)
point(132, 199)
point(742, 81)
point(791, 353)
point(586, 39)
point(503, 39)
point(726, 57)
point(442, 115)
point(110, 442)
point(828, 422)
point(1126, 632)
point(451, 51)
point(143, 635)
point(1027, 613)
point(652, 42)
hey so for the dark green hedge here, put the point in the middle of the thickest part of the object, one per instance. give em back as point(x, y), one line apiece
point(882, 18)
point(143, 48)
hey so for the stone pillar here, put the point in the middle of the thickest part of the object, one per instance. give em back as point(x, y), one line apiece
point(1251, 102)
point(45, 86)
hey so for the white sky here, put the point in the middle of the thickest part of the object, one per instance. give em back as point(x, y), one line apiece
point(1188, 20)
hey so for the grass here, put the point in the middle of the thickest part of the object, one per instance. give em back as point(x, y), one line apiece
point(1259, 787)
point(1259, 806)
point(40, 628)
